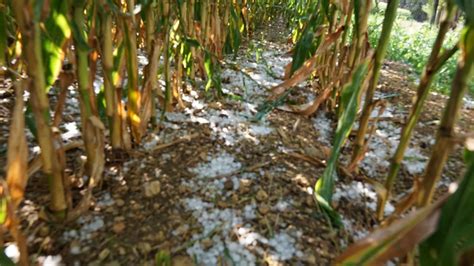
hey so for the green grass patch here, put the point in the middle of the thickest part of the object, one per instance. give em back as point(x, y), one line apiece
point(411, 43)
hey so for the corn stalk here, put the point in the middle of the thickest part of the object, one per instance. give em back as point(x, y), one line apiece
point(92, 127)
point(29, 25)
point(360, 141)
point(444, 144)
point(435, 61)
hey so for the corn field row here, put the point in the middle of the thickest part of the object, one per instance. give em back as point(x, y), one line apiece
point(51, 45)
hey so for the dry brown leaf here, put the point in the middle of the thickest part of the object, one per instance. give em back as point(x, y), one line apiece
point(308, 67)
point(308, 108)
point(396, 240)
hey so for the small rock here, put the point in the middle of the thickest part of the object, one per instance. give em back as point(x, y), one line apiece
point(301, 180)
point(234, 199)
point(182, 261)
point(215, 105)
point(261, 195)
point(44, 231)
point(119, 219)
point(181, 230)
point(311, 259)
point(152, 188)
point(207, 243)
point(263, 209)
point(104, 254)
point(182, 189)
point(160, 237)
point(119, 202)
point(244, 186)
point(118, 228)
point(122, 251)
point(136, 207)
point(310, 201)
point(144, 248)
point(203, 155)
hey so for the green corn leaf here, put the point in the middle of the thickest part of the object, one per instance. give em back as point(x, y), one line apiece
point(212, 72)
point(3, 210)
point(79, 36)
point(209, 70)
point(467, 6)
point(325, 185)
point(162, 258)
point(307, 44)
point(31, 121)
point(5, 260)
point(455, 231)
point(56, 33)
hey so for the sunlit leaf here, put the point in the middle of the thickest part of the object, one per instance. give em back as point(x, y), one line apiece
point(325, 185)
point(56, 33)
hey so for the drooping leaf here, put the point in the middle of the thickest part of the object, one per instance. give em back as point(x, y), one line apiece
point(309, 65)
point(467, 6)
point(56, 32)
point(393, 241)
point(456, 225)
point(349, 100)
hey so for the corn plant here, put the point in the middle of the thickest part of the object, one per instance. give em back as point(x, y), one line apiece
point(28, 22)
point(349, 98)
point(360, 141)
point(443, 144)
point(59, 44)
point(443, 231)
point(433, 65)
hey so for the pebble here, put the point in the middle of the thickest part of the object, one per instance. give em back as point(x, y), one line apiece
point(104, 254)
point(122, 251)
point(261, 195)
point(234, 199)
point(263, 209)
point(152, 188)
point(120, 202)
point(183, 229)
point(311, 259)
point(118, 228)
point(160, 237)
point(207, 243)
point(182, 261)
point(144, 247)
point(44, 231)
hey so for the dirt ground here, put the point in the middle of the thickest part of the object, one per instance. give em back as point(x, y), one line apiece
point(231, 191)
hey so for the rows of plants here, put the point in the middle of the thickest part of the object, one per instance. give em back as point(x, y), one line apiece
point(411, 43)
point(63, 43)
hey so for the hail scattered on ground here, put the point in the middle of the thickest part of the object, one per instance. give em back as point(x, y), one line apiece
point(228, 190)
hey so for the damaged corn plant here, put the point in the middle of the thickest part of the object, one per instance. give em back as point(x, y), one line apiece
point(149, 53)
